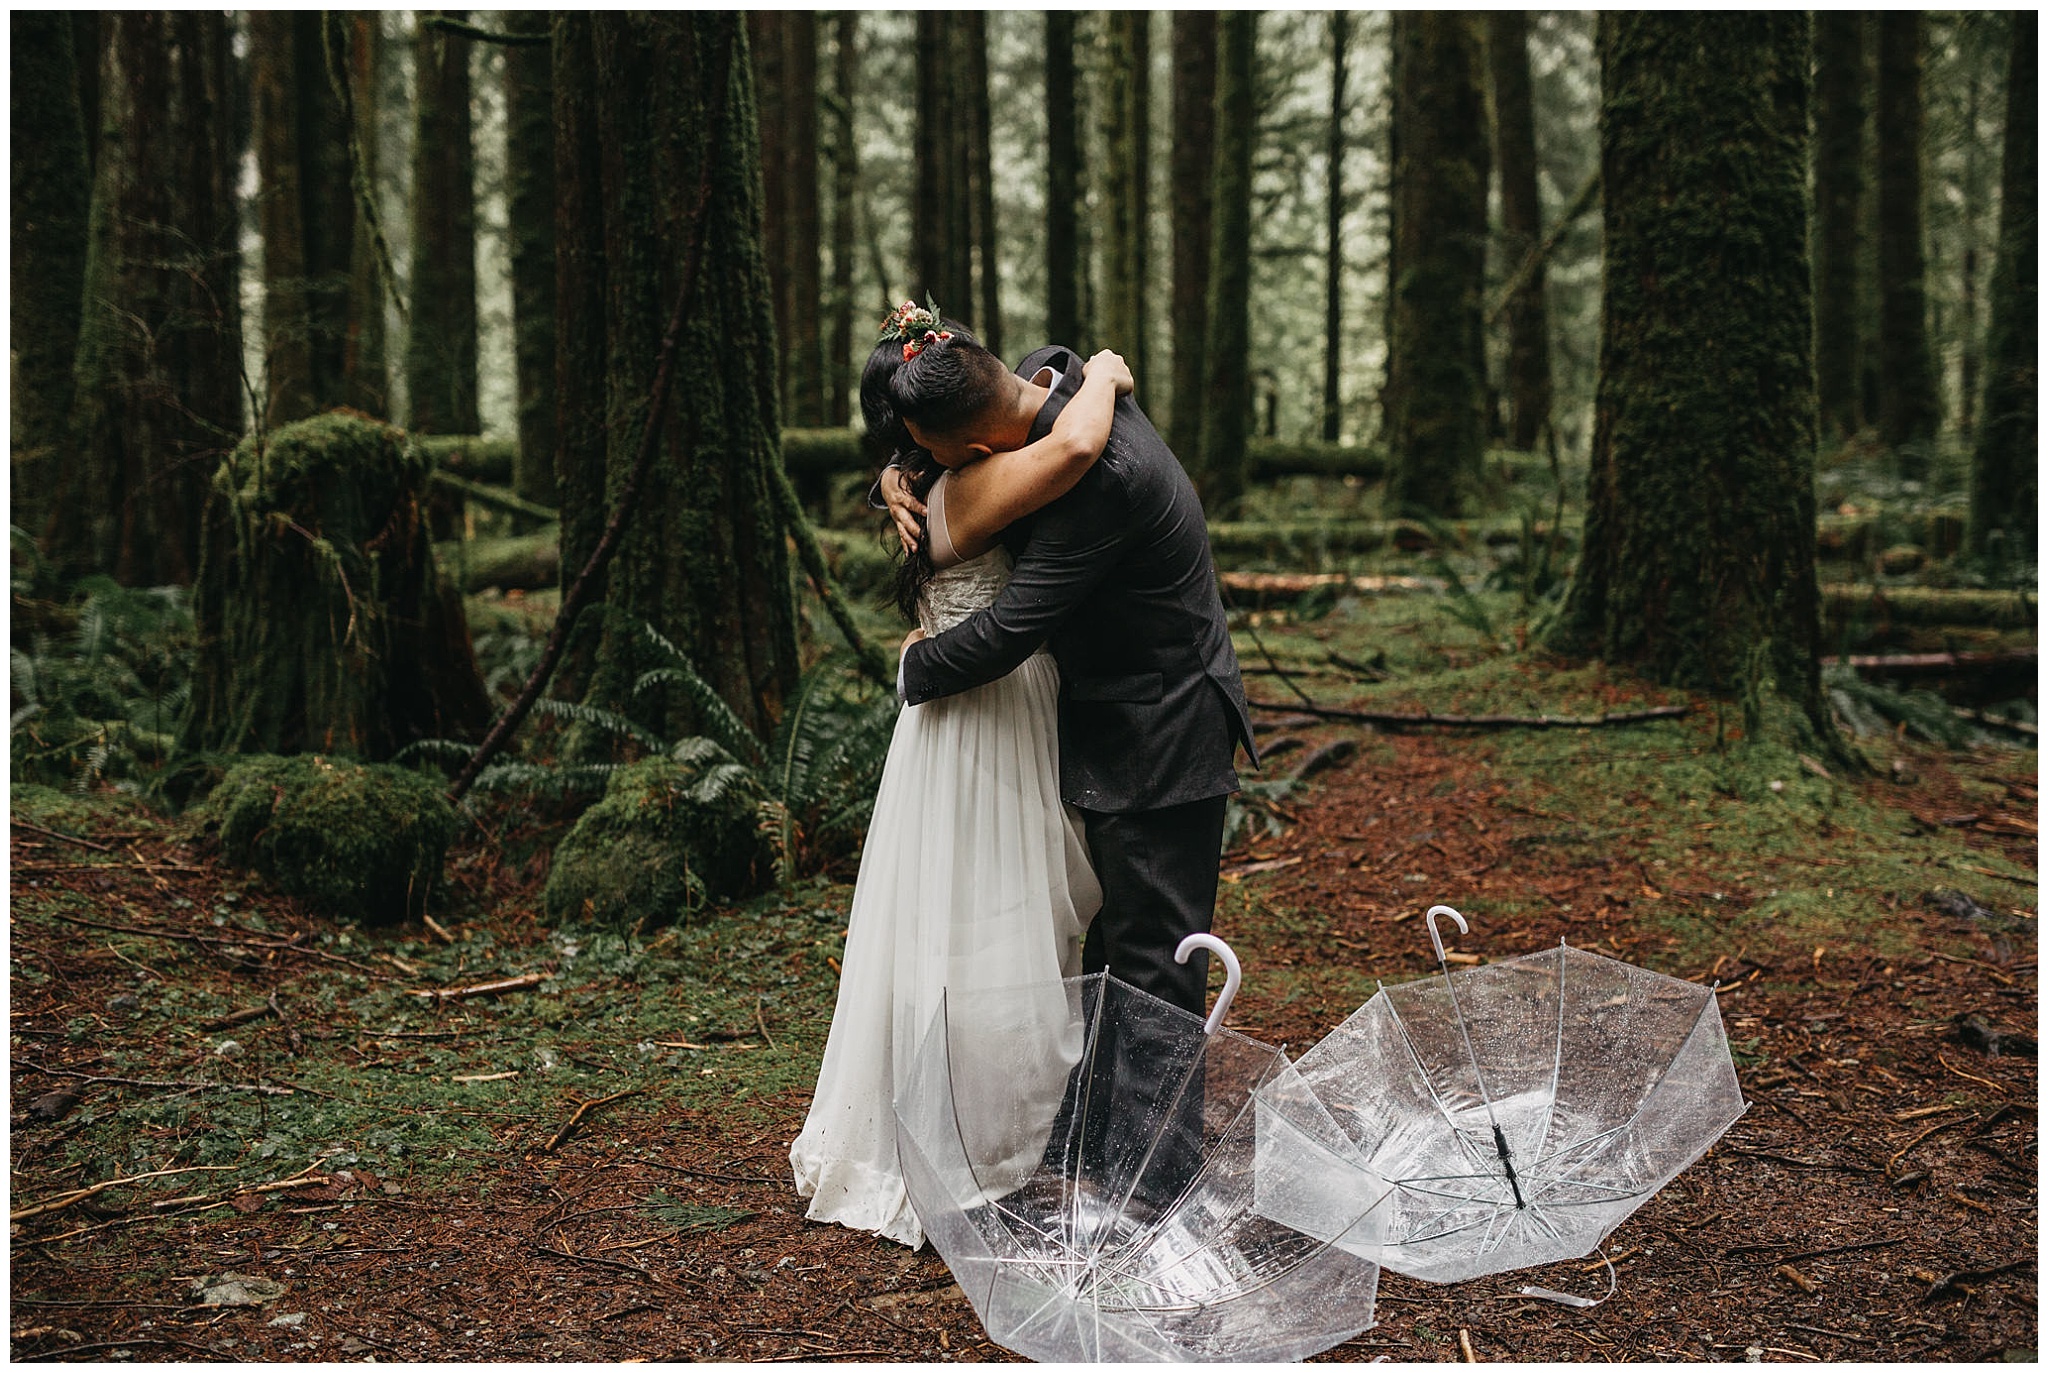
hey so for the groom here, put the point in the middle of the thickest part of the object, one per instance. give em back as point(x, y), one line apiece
point(1116, 577)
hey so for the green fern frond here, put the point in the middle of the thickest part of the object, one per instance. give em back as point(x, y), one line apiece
point(609, 721)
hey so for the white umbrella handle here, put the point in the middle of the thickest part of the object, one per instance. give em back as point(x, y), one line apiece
point(1232, 974)
point(1437, 939)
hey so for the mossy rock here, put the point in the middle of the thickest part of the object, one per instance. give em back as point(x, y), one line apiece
point(357, 839)
point(671, 836)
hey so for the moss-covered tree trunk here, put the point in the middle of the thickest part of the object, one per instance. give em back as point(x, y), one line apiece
point(323, 625)
point(1191, 158)
point(804, 394)
point(356, 44)
point(156, 395)
point(839, 360)
point(704, 560)
point(1126, 141)
point(530, 212)
point(1227, 403)
point(1436, 375)
point(1840, 110)
point(440, 345)
point(942, 244)
point(50, 194)
point(1521, 214)
point(1333, 231)
point(1063, 268)
point(2004, 470)
point(1908, 403)
point(1698, 561)
point(981, 170)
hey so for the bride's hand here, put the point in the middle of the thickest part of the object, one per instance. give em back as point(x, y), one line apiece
point(1111, 363)
point(904, 508)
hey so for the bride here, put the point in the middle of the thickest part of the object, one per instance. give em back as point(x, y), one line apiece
point(975, 877)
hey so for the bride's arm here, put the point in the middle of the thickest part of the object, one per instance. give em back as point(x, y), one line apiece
point(985, 496)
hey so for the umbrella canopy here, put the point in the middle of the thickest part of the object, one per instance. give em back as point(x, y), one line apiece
point(1511, 1114)
point(1093, 1184)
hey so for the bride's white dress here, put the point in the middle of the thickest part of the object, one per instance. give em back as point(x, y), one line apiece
point(975, 876)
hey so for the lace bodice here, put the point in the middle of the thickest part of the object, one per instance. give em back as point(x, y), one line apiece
point(956, 592)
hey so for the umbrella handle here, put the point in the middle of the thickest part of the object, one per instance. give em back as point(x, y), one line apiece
point(1232, 974)
point(1436, 939)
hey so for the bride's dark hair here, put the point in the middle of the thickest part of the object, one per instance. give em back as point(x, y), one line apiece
point(944, 385)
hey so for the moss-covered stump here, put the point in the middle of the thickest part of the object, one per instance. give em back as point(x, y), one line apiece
point(670, 837)
point(357, 839)
point(323, 622)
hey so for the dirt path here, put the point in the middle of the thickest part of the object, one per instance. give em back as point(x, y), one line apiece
point(1877, 1201)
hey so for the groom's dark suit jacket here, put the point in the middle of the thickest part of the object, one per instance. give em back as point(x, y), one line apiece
point(1116, 576)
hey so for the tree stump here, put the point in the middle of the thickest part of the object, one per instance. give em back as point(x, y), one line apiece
point(323, 622)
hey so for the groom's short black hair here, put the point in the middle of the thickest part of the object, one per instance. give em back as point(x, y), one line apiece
point(949, 385)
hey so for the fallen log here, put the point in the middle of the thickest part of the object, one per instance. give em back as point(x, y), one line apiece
point(1401, 720)
point(519, 562)
point(1918, 664)
point(1962, 608)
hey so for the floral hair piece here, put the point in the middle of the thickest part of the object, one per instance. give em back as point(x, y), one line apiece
point(917, 325)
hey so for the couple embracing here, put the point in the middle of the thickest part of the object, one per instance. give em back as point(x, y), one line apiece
point(1054, 795)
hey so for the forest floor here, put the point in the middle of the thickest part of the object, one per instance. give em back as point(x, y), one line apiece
point(396, 1176)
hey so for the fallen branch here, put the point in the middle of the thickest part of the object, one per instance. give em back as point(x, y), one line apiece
point(505, 40)
point(1907, 663)
point(497, 498)
point(1399, 720)
point(798, 525)
point(761, 1019)
point(1540, 254)
point(67, 838)
point(582, 1110)
point(291, 1031)
point(508, 984)
point(260, 1088)
point(71, 1198)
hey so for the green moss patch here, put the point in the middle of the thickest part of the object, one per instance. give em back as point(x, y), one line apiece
point(362, 840)
point(671, 835)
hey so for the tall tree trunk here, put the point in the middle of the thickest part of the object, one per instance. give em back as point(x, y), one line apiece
point(1909, 406)
point(988, 318)
point(767, 42)
point(440, 346)
point(356, 38)
point(839, 363)
point(530, 216)
point(157, 396)
point(1126, 139)
point(1227, 404)
point(1698, 563)
point(1063, 268)
point(1437, 375)
point(2004, 472)
point(1333, 238)
point(51, 195)
point(87, 38)
point(804, 394)
point(1973, 199)
point(704, 561)
point(1521, 212)
point(1193, 157)
point(281, 218)
point(1840, 112)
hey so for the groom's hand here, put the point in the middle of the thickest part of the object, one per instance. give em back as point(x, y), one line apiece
point(904, 508)
point(915, 636)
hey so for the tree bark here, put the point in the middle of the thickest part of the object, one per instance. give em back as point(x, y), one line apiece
point(2004, 472)
point(1840, 111)
point(281, 218)
point(839, 365)
point(1698, 561)
point(1436, 374)
point(530, 215)
point(1126, 139)
point(1063, 268)
point(1227, 402)
point(157, 396)
point(1522, 225)
point(1333, 239)
point(767, 42)
point(356, 38)
point(51, 195)
point(440, 347)
point(1908, 406)
point(805, 396)
point(1192, 157)
point(704, 560)
point(988, 318)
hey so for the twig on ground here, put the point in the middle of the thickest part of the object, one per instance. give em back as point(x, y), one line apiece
point(1401, 719)
point(1920, 1138)
point(55, 834)
point(439, 933)
point(582, 1110)
point(291, 1031)
point(761, 1019)
point(62, 1200)
point(507, 984)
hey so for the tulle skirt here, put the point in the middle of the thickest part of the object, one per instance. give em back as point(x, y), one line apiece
point(975, 876)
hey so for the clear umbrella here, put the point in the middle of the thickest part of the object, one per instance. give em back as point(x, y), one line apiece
point(1084, 1157)
point(1512, 1114)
